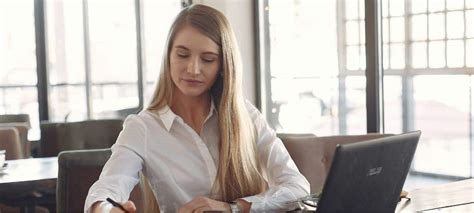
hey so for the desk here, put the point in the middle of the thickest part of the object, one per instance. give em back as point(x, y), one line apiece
point(21, 179)
point(451, 197)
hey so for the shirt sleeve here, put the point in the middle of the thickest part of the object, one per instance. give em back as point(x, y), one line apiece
point(121, 172)
point(285, 182)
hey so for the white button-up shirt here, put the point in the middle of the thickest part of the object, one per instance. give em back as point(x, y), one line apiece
point(182, 164)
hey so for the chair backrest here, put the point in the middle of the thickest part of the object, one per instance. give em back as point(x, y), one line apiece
point(16, 118)
point(313, 155)
point(10, 141)
point(78, 170)
point(22, 129)
point(90, 134)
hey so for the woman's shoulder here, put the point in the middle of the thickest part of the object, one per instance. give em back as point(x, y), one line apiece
point(143, 118)
point(253, 111)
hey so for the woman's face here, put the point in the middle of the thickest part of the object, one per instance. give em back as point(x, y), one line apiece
point(194, 62)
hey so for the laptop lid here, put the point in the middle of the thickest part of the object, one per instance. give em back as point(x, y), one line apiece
point(368, 176)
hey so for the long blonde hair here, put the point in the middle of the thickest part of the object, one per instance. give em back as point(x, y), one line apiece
point(238, 173)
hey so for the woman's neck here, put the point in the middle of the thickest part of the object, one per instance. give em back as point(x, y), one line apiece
point(193, 110)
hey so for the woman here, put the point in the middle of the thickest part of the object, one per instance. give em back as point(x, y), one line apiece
point(199, 144)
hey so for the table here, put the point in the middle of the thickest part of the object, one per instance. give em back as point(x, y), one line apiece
point(451, 197)
point(21, 180)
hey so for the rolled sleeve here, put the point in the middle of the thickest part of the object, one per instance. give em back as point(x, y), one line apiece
point(121, 172)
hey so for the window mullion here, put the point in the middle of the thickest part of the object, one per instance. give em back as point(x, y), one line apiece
point(87, 61)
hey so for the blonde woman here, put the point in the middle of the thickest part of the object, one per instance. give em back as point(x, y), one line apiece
point(199, 144)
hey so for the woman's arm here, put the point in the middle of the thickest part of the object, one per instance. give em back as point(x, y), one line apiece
point(121, 172)
point(285, 182)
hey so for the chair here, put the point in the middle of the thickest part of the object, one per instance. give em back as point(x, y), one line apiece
point(10, 141)
point(11, 197)
point(78, 170)
point(16, 118)
point(313, 155)
point(90, 134)
point(22, 123)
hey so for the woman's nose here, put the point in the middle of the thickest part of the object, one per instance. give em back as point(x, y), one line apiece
point(194, 67)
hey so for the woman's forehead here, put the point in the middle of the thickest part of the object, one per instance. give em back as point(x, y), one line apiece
point(192, 39)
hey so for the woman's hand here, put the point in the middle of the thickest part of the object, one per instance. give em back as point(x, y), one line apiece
point(129, 206)
point(103, 206)
point(201, 204)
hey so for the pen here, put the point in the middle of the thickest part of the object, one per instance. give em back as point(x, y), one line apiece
point(116, 204)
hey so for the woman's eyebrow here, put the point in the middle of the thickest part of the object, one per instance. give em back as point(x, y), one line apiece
point(206, 52)
point(210, 53)
point(181, 47)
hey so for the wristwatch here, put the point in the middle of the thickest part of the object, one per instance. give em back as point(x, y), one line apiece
point(234, 207)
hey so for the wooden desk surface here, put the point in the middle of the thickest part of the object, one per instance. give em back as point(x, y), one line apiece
point(31, 169)
point(450, 196)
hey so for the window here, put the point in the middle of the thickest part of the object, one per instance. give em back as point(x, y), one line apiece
point(92, 57)
point(313, 80)
point(307, 90)
point(427, 47)
point(157, 19)
point(18, 79)
point(93, 60)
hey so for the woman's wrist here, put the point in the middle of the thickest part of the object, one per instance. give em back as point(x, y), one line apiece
point(101, 207)
point(243, 205)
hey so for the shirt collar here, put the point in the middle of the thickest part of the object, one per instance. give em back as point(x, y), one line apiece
point(167, 115)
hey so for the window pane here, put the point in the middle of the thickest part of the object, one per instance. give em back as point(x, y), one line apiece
point(352, 57)
point(435, 5)
point(362, 9)
point(108, 98)
point(310, 105)
point(18, 79)
point(470, 23)
point(352, 32)
point(157, 18)
point(66, 65)
point(362, 59)
point(68, 103)
point(470, 52)
point(455, 4)
point(385, 8)
point(65, 42)
point(385, 33)
point(419, 27)
point(386, 56)
point(397, 29)
point(392, 103)
point(418, 55)
point(397, 8)
point(436, 22)
point(303, 97)
point(469, 3)
point(444, 119)
point(17, 36)
point(436, 54)
point(397, 56)
point(455, 53)
point(418, 6)
point(352, 9)
point(362, 32)
point(355, 105)
point(113, 54)
point(455, 24)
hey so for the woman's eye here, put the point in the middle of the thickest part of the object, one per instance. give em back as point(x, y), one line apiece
point(208, 60)
point(182, 55)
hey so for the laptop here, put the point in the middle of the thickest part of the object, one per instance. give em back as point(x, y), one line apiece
point(368, 176)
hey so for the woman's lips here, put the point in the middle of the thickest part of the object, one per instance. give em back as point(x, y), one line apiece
point(192, 81)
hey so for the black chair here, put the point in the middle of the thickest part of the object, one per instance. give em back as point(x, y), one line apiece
point(78, 170)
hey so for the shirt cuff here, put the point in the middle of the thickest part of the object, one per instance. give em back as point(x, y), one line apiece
point(257, 201)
